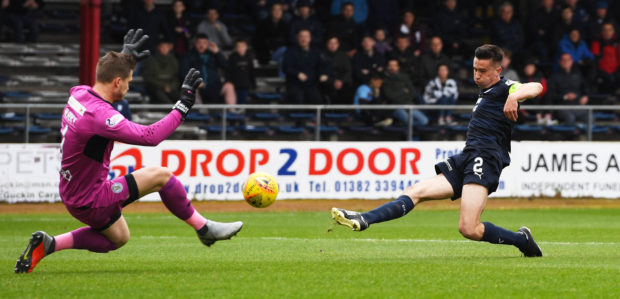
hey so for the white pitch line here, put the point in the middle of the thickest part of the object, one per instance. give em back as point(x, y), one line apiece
point(385, 240)
point(432, 241)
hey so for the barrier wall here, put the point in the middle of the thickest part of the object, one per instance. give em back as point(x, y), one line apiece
point(215, 170)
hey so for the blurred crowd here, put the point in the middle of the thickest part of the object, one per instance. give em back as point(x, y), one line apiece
point(372, 51)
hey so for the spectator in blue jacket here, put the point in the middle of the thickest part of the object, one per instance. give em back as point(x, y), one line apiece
point(361, 9)
point(506, 31)
point(573, 44)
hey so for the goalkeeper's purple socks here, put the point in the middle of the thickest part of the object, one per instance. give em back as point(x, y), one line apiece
point(175, 199)
point(86, 238)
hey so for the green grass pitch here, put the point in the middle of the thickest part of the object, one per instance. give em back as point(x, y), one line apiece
point(302, 255)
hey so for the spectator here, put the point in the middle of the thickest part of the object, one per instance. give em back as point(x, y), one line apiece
point(345, 28)
point(580, 15)
point(361, 9)
point(123, 108)
point(451, 26)
point(366, 61)
point(180, 24)
point(531, 74)
point(240, 71)
point(442, 91)
point(567, 87)
point(153, 21)
point(415, 32)
point(507, 71)
point(304, 67)
point(20, 15)
point(306, 21)
point(406, 59)
point(382, 13)
point(506, 31)
point(370, 94)
point(207, 58)
point(161, 75)
point(214, 29)
point(596, 22)
point(382, 45)
point(606, 49)
point(398, 90)
point(429, 61)
point(271, 34)
point(540, 30)
point(576, 47)
point(340, 80)
point(566, 24)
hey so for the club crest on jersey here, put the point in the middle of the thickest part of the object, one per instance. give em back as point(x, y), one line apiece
point(117, 187)
point(114, 120)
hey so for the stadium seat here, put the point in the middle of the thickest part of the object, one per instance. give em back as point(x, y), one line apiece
point(528, 128)
point(301, 116)
point(362, 129)
point(265, 116)
point(464, 116)
point(264, 96)
point(197, 117)
point(46, 116)
point(601, 129)
point(427, 129)
point(394, 129)
point(325, 129)
point(217, 129)
point(604, 116)
point(11, 117)
point(457, 129)
point(290, 129)
point(35, 130)
point(255, 129)
point(6, 131)
point(335, 116)
point(564, 129)
point(230, 116)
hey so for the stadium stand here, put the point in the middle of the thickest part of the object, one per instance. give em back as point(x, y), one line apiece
point(43, 72)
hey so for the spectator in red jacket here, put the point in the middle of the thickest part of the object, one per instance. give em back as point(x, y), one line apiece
point(606, 49)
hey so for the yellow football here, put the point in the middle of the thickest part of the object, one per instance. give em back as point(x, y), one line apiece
point(260, 190)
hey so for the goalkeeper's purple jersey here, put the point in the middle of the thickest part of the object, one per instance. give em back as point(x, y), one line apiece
point(90, 125)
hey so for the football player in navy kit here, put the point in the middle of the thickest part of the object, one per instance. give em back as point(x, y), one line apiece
point(474, 173)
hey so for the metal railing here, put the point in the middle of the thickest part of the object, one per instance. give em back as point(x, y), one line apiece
point(319, 108)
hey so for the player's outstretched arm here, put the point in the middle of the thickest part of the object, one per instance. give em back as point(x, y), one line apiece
point(112, 125)
point(519, 94)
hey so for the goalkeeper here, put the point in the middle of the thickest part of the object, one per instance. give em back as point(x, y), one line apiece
point(90, 125)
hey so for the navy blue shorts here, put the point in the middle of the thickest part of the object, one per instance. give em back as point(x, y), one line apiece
point(471, 167)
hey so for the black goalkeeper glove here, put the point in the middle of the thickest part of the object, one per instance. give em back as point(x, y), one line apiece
point(132, 41)
point(188, 92)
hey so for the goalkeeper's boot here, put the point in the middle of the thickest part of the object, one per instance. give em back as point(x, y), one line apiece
point(532, 249)
point(352, 219)
point(41, 244)
point(216, 231)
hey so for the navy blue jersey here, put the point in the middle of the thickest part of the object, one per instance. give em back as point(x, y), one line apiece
point(489, 128)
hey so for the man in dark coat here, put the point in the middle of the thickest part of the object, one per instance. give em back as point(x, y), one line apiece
point(304, 67)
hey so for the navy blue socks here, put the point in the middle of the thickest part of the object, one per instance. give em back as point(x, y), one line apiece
point(391, 210)
point(497, 235)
